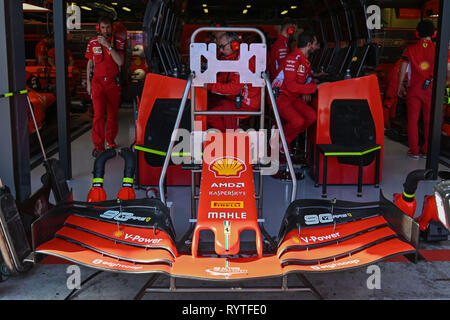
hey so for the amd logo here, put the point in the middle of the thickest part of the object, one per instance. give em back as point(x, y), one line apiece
point(228, 185)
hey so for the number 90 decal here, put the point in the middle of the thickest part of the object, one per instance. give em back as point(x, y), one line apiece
point(311, 219)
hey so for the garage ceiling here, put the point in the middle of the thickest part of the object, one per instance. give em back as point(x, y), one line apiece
point(220, 11)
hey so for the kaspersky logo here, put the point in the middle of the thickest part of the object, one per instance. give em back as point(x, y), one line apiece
point(227, 167)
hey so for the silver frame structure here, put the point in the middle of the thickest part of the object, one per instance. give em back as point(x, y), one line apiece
point(283, 288)
point(190, 88)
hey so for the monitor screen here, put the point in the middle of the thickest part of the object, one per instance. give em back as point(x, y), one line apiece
point(345, 36)
point(357, 60)
point(159, 20)
point(329, 31)
point(360, 22)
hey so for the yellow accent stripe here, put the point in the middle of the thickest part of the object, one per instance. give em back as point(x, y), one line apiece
point(161, 153)
point(128, 180)
point(97, 180)
point(409, 195)
point(10, 94)
point(351, 153)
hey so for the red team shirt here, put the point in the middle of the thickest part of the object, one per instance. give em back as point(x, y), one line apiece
point(278, 52)
point(104, 65)
point(228, 84)
point(41, 50)
point(294, 78)
point(421, 60)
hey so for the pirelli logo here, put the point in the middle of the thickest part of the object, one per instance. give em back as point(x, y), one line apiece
point(227, 204)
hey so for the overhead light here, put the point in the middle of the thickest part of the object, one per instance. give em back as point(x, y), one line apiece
point(293, 7)
point(126, 9)
point(114, 3)
point(32, 8)
point(205, 10)
point(245, 11)
point(284, 11)
point(86, 8)
point(205, 5)
point(249, 6)
point(434, 16)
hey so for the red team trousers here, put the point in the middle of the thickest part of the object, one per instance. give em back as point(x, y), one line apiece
point(297, 116)
point(420, 57)
point(418, 101)
point(106, 101)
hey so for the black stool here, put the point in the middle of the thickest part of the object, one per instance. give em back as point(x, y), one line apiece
point(333, 150)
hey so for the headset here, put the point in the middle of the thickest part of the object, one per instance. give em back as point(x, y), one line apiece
point(113, 44)
point(433, 36)
point(290, 30)
point(426, 21)
point(235, 44)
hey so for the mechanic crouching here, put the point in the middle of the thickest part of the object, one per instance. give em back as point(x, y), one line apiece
point(228, 94)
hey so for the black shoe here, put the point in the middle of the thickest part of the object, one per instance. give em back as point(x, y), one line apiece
point(284, 175)
point(95, 153)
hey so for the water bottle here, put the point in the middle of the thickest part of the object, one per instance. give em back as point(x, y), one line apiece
point(348, 75)
point(238, 102)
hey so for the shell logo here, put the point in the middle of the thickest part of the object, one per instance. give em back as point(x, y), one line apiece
point(227, 168)
point(424, 65)
point(295, 239)
point(118, 234)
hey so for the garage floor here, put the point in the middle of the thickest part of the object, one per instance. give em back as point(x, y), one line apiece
point(428, 279)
